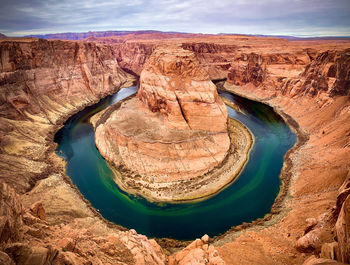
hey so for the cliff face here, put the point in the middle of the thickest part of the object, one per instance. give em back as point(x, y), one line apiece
point(175, 84)
point(215, 58)
point(132, 56)
point(318, 100)
point(42, 83)
point(329, 72)
point(177, 98)
point(309, 81)
point(27, 238)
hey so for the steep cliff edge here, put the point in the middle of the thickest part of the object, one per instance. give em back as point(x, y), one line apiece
point(309, 82)
point(318, 100)
point(318, 168)
point(42, 83)
point(170, 142)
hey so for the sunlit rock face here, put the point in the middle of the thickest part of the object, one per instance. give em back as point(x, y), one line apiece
point(42, 83)
point(175, 85)
point(176, 127)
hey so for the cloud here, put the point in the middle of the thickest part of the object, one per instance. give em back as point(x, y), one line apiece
point(294, 17)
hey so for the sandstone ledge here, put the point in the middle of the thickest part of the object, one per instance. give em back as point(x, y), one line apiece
point(193, 189)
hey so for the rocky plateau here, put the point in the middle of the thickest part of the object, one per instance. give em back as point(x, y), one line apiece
point(45, 220)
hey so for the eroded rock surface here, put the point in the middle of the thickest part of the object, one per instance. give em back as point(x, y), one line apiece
point(294, 79)
point(42, 83)
point(174, 131)
point(27, 239)
point(198, 252)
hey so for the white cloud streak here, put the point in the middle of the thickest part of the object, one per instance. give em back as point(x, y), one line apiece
point(294, 17)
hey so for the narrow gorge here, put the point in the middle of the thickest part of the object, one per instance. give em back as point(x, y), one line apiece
point(45, 219)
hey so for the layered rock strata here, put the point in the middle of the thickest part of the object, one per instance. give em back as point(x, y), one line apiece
point(318, 100)
point(318, 166)
point(173, 134)
point(42, 83)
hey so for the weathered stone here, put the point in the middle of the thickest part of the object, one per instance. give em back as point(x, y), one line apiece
point(67, 244)
point(11, 211)
point(308, 242)
point(24, 254)
point(343, 232)
point(313, 260)
point(191, 138)
point(205, 239)
point(312, 233)
point(344, 192)
point(329, 250)
point(5, 259)
point(69, 258)
point(194, 253)
point(38, 210)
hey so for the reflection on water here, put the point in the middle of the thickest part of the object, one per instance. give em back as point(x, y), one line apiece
point(248, 198)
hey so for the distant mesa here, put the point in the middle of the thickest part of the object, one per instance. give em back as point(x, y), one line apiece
point(104, 34)
point(3, 36)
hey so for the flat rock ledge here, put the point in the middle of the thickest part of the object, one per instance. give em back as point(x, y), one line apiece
point(171, 189)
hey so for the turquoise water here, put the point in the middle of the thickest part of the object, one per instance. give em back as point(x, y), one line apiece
point(248, 198)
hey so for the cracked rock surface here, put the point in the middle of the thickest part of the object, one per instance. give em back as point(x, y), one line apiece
point(173, 132)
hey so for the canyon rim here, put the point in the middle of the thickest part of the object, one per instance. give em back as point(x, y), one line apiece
point(45, 220)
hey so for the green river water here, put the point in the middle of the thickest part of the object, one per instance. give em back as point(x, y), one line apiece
point(246, 199)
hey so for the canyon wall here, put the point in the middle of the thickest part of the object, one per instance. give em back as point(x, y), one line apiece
point(318, 101)
point(308, 83)
point(43, 218)
point(43, 82)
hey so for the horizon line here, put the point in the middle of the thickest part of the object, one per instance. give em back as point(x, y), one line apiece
point(301, 36)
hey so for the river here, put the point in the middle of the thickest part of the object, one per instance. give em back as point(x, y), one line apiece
point(249, 197)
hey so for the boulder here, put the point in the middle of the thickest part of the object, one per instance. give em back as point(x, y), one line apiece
point(38, 210)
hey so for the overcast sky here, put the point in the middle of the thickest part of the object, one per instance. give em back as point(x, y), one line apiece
point(273, 17)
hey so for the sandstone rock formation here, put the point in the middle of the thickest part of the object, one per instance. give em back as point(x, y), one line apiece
point(312, 235)
point(320, 166)
point(340, 248)
point(172, 133)
point(86, 240)
point(313, 260)
point(296, 75)
point(343, 232)
point(42, 83)
point(174, 84)
point(198, 252)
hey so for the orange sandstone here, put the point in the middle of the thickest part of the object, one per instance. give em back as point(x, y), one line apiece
point(171, 134)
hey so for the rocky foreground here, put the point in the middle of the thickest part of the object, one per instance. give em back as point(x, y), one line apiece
point(44, 219)
point(169, 143)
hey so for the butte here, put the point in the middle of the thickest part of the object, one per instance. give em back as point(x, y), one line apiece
point(173, 142)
